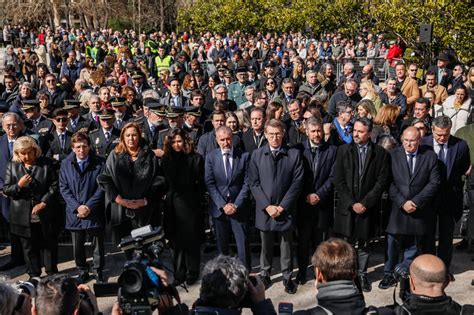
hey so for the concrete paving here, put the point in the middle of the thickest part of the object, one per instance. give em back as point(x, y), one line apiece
point(461, 290)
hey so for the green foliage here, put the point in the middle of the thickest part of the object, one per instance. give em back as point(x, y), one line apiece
point(118, 24)
point(452, 20)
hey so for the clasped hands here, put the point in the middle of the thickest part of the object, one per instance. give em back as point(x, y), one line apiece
point(230, 209)
point(274, 211)
point(359, 208)
point(131, 204)
point(312, 199)
point(409, 206)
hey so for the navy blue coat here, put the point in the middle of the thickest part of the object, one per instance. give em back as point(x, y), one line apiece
point(450, 196)
point(82, 189)
point(420, 188)
point(319, 182)
point(237, 189)
point(277, 182)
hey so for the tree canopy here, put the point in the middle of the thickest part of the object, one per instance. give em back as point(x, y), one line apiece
point(451, 20)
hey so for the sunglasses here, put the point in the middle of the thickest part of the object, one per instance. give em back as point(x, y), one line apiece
point(61, 119)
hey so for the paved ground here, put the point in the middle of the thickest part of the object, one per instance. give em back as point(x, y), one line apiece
point(461, 290)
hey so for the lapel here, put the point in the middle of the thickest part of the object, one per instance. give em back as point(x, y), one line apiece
point(322, 157)
point(368, 158)
point(235, 161)
point(450, 156)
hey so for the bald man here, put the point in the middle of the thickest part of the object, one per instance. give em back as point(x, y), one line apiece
point(416, 179)
point(428, 279)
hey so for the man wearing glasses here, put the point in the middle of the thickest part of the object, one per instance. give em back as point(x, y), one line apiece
point(55, 94)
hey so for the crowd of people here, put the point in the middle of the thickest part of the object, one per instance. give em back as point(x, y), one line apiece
point(124, 130)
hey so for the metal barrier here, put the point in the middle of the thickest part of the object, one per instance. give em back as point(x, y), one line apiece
point(381, 67)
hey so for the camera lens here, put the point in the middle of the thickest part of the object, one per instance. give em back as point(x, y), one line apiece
point(131, 280)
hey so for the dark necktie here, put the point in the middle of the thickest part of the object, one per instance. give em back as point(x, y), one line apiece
point(62, 141)
point(10, 148)
point(35, 124)
point(81, 165)
point(73, 124)
point(107, 136)
point(228, 167)
point(152, 131)
point(411, 156)
point(362, 156)
point(441, 153)
point(257, 140)
point(118, 122)
point(315, 154)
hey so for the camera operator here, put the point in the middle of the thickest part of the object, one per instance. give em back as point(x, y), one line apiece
point(335, 267)
point(428, 279)
point(227, 287)
point(12, 302)
point(60, 295)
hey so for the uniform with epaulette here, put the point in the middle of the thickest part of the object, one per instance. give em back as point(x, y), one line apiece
point(78, 124)
point(195, 131)
point(172, 113)
point(58, 148)
point(104, 144)
point(237, 89)
point(122, 116)
point(42, 125)
point(150, 132)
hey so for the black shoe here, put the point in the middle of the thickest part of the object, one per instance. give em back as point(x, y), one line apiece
point(301, 279)
point(9, 265)
point(290, 286)
point(84, 277)
point(464, 244)
point(191, 281)
point(267, 282)
point(388, 281)
point(364, 283)
point(99, 277)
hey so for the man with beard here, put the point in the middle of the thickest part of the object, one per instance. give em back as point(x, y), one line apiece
point(394, 96)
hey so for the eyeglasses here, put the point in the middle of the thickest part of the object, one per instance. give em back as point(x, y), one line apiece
point(63, 119)
point(11, 126)
point(50, 81)
point(413, 70)
point(274, 135)
point(270, 83)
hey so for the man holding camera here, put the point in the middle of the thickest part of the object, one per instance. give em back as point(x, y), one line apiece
point(227, 287)
point(428, 279)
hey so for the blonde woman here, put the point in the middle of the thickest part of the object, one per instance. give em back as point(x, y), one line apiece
point(367, 91)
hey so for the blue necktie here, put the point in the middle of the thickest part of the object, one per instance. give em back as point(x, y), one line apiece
point(228, 167)
point(10, 148)
point(62, 140)
point(410, 162)
point(81, 165)
point(441, 154)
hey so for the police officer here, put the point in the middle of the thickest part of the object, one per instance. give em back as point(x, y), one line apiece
point(35, 121)
point(191, 125)
point(76, 121)
point(236, 89)
point(104, 139)
point(122, 114)
point(153, 122)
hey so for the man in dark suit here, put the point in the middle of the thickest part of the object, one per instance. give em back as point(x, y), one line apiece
point(207, 142)
point(152, 123)
point(93, 115)
point(443, 74)
point(276, 180)
point(105, 139)
point(421, 111)
point(227, 182)
point(454, 162)
point(254, 138)
point(59, 140)
point(361, 176)
point(416, 179)
point(76, 122)
point(294, 124)
point(12, 124)
point(174, 97)
point(35, 121)
point(288, 88)
point(122, 115)
point(316, 203)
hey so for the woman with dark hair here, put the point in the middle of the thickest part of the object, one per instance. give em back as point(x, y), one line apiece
point(457, 107)
point(132, 181)
point(385, 122)
point(275, 110)
point(208, 90)
point(183, 218)
point(55, 59)
point(38, 81)
point(86, 72)
point(31, 182)
point(271, 87)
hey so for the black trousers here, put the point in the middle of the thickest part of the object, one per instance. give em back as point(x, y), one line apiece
point(223, 227)
point(186, 262)
point(445, 223)
point(470, 221)
point(308, 239)
point(41, 248)
point(78, 239)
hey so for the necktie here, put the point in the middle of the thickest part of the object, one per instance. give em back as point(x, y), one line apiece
point(228, 167)
point(275, 154)
point(10, 148)
point(118, 122)
point(62, 141)
point(107, 136)
point(362, 155)
point(96, 118)
point(257, 140)
point(410, 162)
point(315, 152)
point(441, 153)
point(73, 124)
point(35, 123)
point(152, 131)
point(81, 166)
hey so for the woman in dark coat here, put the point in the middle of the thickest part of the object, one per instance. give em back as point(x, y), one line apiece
point(132, 180)
point(31, 182)
point(183, 220)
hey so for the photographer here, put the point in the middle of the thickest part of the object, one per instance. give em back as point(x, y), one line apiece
point(428, 279)
point(335, 266)
point(59, 295)
point(227, 287)
point(12, 302)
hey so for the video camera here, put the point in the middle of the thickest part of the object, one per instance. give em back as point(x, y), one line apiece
point(140, 290)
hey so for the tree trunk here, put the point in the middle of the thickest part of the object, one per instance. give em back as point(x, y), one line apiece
point(162, 15)
point(56, 17)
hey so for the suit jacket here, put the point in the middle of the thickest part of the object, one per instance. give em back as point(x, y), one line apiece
point(450, 196)
point(319, 181)
point(54, 145)
point(222, 191)
point(149, 138)
point(82, 123)
point(93, 124)
point(208, 143)
point(276, 181)
point(420, 187)
point(44, 126)
point(294, 136)
point(127, 117)
point(101, 146)
point(447, 77)
point(411, 91)
point(249, 141)
point(168, 100)
point(367, 189)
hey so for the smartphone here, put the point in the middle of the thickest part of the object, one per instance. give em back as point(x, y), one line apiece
point(285, 308)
